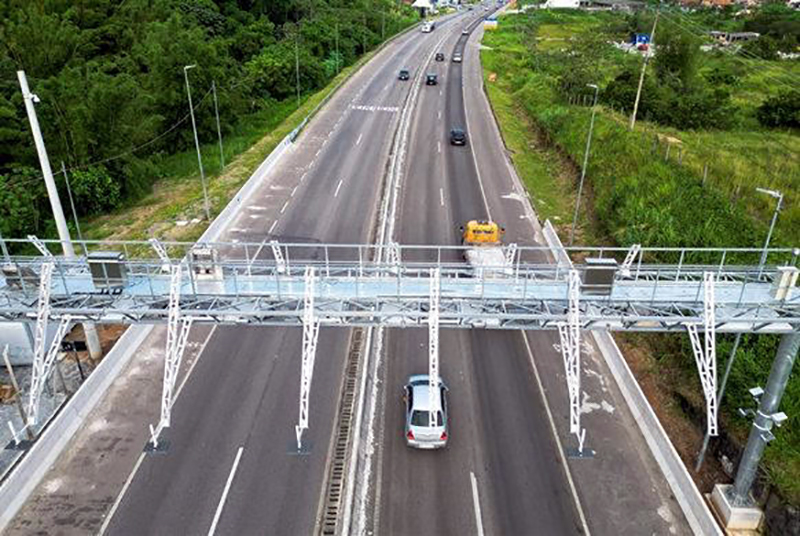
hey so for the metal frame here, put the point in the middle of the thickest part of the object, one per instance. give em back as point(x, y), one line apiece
point(177, 337)
point(705, 355)
point(433, 347)
point(42, 367)
point(570, 336)
point(310, 338)
point(280, 263)
point(630, 258)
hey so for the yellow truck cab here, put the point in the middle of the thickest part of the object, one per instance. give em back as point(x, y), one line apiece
point(481, 232)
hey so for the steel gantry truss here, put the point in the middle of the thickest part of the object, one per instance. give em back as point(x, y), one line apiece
point(433, 348)
point(570, 336)
point(721, 290)
point(310, 338)
point(706, 354)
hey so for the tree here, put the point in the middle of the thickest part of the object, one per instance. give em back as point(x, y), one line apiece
point(782, 110)
point(676, 58)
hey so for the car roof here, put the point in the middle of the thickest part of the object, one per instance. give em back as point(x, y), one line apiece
point(419, 386)
point(457, 130)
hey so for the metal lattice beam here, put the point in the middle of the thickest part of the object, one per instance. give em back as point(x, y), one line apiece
point(569, 334)
point(177, 336)
point(433, 347)
point(630, 258)
point(42, 366)
point(280, 263)
point(705, 353)
point(310, 338)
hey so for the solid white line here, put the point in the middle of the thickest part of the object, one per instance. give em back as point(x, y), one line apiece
point(319, 151)
point(303, 177)
point(286, 204)
point(559, 447)
point(272, 227)
point(225, 492)
point(358, 141)
point(294, 191)
point(441, 197)
point(336, 193)
point(477, 502)
point(110, 515)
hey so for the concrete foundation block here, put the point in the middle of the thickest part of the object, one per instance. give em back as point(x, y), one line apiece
point(735, 518)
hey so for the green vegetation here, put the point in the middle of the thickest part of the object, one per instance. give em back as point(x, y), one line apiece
point(110, 77)
point(537, 66)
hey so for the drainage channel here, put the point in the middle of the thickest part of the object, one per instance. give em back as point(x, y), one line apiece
point(334, 496)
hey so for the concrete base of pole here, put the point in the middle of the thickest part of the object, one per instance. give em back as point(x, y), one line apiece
point(735, 517)
point(92, 341)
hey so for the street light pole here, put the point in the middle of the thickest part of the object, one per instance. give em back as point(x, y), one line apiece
point(219, 130)
point(197, 142)
point(641, 76)
point(779, 196)
point(92, 339)
point(585, 163)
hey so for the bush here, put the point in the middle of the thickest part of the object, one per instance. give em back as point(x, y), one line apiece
point(94, 191)
point(764, 47)
point(782, 110)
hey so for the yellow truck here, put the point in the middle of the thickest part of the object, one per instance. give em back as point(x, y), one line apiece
point(482, 240)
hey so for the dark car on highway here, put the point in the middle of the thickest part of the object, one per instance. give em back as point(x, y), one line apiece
point(458, 136)
point(403, 74)
point(440, 56)
point(431, 79)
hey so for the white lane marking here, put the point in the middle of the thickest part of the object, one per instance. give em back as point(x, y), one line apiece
point(225, 492)
point(319, 151)
point(439, 146)
point(559, 447)
point(440, 114)
point(358, 141)
point(336, 193)
point(440, 92)
point(303, 177)
point(286, 204)
point(477, 502)
point(294, 191)
point(441, 197)
point(272, 227)
point(110, 515)
point(256, 207)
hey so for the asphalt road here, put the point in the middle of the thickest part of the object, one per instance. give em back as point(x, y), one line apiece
point(499, 432)
point(235, 417)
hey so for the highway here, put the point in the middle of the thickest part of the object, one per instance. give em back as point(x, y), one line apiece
point(497, 421)
point(232, 467)
point(243, 393)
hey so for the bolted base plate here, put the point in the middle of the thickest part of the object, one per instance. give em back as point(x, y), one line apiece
point(161, 448)
point(304, 450)
point(23, 445)
point(573, 453)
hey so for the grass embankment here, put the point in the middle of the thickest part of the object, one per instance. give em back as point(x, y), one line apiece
point(177, 195)
point(635, 195)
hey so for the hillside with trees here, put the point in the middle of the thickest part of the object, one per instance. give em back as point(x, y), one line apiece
point(109, 74)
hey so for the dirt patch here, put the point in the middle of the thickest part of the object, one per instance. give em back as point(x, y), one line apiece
point(675, 404)
point(109, 335)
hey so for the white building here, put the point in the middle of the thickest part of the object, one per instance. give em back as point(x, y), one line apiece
point(562, 4)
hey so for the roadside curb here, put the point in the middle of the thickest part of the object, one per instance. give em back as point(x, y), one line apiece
point(31, 469)
point(692, 504)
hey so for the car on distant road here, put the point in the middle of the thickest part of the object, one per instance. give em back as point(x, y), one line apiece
point(457, 57)
point(458, 136)
point(464, 32)
point(420, 432)
point(440, 56)
point(431, 79)
point(404, 75)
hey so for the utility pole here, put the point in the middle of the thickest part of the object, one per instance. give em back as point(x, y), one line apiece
point(92, 340)
point(644, 68)
point(779, 196)
point(219, 130)
point(72, 204)
point(297, 66)
point(766, 416)
point(585, 163)
point(197, 142)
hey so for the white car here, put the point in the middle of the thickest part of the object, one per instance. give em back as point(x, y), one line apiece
point(420, 433)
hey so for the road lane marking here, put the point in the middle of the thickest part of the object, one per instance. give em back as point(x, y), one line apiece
point(110, 515)
point(477, 503)
point(303, 177)
point(358, 141)
point(440, 114)
point(272, 227)
point(441, 197)
point(319, 151)
point(559, 447)
point(439, 146)
point(294, 191)
point(225, 492)
point(336, 193)
point(286, 204)
point(440, 92)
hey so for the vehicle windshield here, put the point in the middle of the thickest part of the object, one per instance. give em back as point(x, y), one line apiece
point(420, 418)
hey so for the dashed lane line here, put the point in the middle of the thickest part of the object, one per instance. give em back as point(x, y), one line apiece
point(218, 514)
